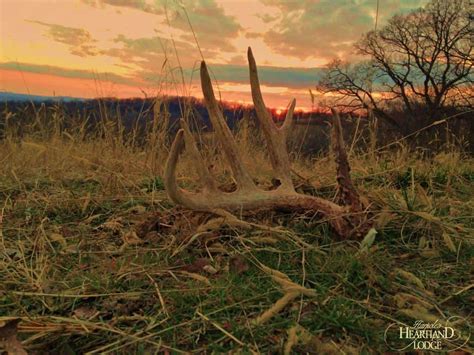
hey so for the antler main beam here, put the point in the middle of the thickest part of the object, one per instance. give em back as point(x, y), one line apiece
point(248, 196)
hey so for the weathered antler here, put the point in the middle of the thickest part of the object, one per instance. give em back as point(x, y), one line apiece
point(345, 220)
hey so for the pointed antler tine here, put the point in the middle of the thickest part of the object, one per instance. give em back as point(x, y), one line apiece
point(347, 194)
point(174, 192)
point(337, 128)
point(262, 112)
point(224, 135)
point(275, 137)
point(288, 122)
point(205, 177)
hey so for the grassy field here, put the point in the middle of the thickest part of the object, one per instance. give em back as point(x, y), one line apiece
point(94, 258)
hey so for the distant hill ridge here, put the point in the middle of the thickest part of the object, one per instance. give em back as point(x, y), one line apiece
point(12, 96)
point(137, 110)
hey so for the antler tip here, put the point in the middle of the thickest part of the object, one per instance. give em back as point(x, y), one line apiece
point(249, 53)
point(204, 70)
point(206, 82)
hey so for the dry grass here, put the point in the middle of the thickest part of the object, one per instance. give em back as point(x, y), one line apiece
point(94, 258)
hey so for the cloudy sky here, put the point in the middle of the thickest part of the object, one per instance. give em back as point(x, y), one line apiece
point(124, 48)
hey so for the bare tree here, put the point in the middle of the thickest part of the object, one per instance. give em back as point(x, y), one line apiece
point(420, 59)
point(354, 91)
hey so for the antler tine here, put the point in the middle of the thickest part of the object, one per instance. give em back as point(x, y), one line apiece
point(205, 177)
point(224, 135)
point(276, 138)
point(288, 122)
point(174, 192)
point(347, 194)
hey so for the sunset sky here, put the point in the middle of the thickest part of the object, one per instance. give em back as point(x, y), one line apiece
point(90, 48)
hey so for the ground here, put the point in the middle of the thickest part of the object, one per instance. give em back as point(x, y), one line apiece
point(95, 258)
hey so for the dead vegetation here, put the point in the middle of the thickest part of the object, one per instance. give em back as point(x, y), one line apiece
point(96, 259)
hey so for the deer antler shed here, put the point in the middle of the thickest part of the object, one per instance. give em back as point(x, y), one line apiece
point(347, 220)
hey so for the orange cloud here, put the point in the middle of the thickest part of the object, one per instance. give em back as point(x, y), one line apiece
point(49, 85)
